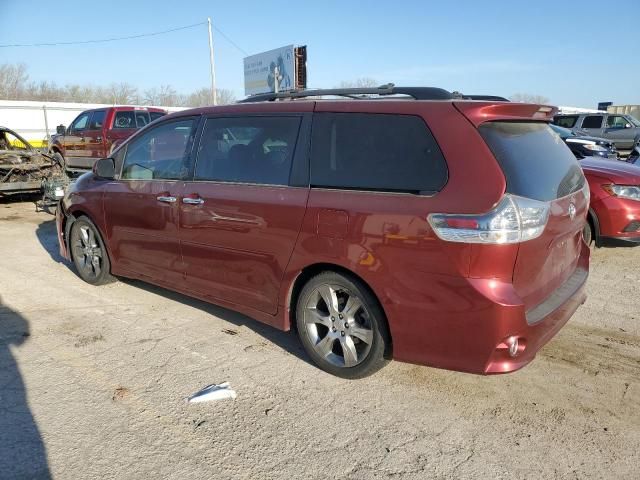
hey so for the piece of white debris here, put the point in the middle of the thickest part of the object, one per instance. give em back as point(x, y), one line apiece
point(213, 392)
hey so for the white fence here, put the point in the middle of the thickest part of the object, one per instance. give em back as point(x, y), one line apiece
point(36, 121)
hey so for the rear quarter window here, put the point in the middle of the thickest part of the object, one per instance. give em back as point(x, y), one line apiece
point(379, 152)
point(536, 162)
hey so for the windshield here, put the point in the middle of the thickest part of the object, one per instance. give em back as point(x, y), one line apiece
point(563, 132)
point(633, 121)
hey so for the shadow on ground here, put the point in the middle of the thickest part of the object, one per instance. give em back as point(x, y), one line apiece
point(22, 451)
point(288, 341)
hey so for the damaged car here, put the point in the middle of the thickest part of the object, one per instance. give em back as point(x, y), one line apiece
point(25, 169)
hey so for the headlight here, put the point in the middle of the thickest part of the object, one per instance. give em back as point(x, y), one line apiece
point(594, 148)
point(631, 192)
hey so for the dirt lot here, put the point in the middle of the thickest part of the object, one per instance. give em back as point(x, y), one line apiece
point(93, 383)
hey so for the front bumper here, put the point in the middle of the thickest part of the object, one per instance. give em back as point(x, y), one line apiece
point(615, 214)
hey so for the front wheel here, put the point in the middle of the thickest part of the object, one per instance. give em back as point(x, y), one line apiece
point(88, 252)
point(341, 325)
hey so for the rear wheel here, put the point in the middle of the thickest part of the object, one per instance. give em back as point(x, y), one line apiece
point(341, 325)
point(89, 254)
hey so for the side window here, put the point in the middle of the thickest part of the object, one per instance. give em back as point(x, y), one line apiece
point(159, 153)
point(142, 119)
point(247, 149)
point(81, 122)
point(124, 120)
point(592, 121)
point(383, 152)
point(97, 120)
point(616, 121)
point(566, 122)
point(156, 115)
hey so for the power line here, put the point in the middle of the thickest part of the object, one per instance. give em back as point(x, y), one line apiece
point(229, 40)
point(129, 37)
point(113, 39)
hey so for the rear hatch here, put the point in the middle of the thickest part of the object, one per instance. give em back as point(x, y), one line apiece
point(539, 166)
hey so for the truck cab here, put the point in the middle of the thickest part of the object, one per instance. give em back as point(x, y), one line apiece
point(93, 133)
point(621, 129)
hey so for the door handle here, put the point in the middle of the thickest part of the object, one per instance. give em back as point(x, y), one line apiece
point(166, 199)
point(98, 139)
point(192, 201)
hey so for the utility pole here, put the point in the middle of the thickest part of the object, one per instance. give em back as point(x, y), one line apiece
point(214, 94)
point(276, 79)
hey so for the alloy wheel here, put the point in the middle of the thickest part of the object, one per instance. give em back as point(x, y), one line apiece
point(87, 252)
point(338, 325)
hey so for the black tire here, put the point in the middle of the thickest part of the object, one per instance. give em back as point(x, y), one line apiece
point(57, 156)
point(587, 233)
point(346, 339)
point(88, 253)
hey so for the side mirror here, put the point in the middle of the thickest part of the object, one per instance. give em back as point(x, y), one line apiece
point(61, 129)
point(627, 125)
point(105, 168)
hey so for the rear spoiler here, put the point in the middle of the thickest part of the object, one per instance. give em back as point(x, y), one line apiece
point(481, 112)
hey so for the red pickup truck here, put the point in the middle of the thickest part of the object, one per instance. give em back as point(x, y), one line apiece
point(93, 133)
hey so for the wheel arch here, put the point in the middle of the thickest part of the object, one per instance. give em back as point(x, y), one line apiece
point(592, 218)
point(314, 269)
point(68, 223)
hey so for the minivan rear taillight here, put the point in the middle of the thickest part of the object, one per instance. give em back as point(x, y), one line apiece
point(515, 219)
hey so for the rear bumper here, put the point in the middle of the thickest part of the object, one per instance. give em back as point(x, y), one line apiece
point(469, 330)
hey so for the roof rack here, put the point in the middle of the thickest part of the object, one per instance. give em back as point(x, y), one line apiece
point(417, 93)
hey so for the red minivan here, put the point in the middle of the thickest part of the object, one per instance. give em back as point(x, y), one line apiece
point(403, 223)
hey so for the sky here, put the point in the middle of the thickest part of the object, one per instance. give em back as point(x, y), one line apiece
point(570, 52)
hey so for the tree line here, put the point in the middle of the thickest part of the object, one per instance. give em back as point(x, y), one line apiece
point(15, 84)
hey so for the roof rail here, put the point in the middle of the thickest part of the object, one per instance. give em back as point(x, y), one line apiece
point(488, 98)
point(417, 93)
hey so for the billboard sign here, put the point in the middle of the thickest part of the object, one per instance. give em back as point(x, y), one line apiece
point(260, 71)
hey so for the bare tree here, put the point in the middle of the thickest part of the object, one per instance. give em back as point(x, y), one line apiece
point(15, 85)
point(202, 97)
point(122, 93)
point(13, 78)
point(529, 98)
point(362, 82)
point(224, 96)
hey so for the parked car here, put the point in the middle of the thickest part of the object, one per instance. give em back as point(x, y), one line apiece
point(634, 156)
point(22, 167)
point(622, 130)
point(585, 146)
point(614, 210)
point(93, 133)
point(426, 229)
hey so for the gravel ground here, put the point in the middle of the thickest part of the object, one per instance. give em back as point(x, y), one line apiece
point(93, 383)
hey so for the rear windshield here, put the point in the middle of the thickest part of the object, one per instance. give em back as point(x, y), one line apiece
point(536, 162)
point(131, 119)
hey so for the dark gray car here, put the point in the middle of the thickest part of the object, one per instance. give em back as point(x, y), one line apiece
point(621, 129)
